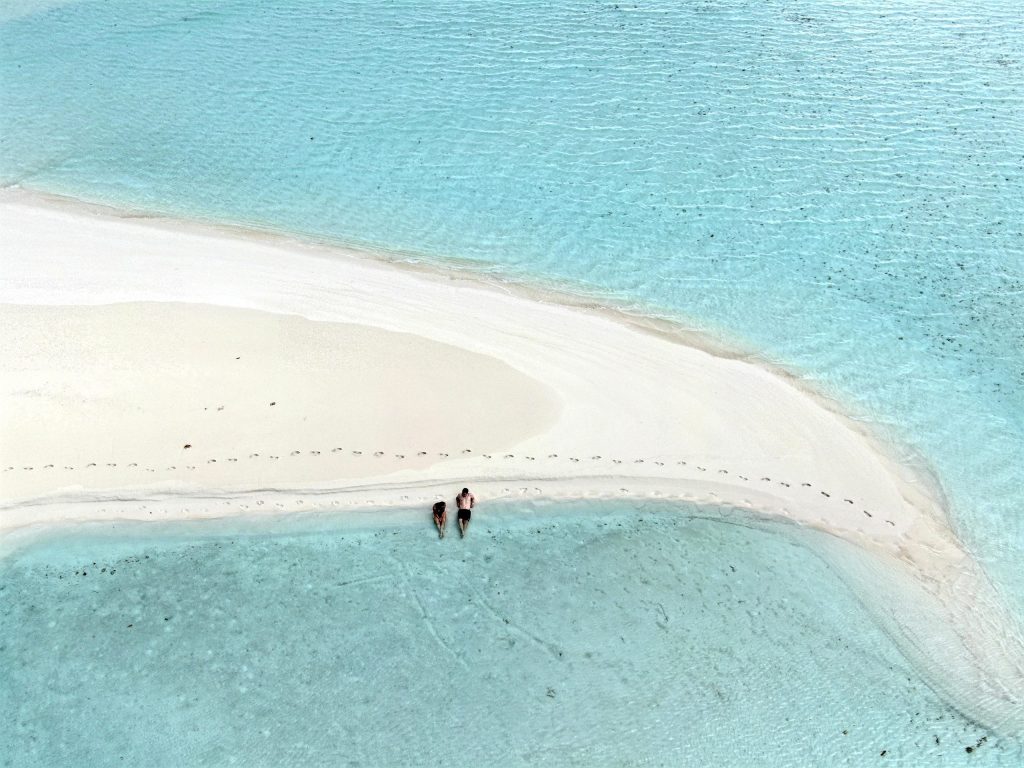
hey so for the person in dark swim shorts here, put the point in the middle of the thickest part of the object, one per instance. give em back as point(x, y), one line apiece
point(465, 501)
point(440, 517)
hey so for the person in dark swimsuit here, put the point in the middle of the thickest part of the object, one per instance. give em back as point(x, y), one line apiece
point(440, 517)
point(465, 501)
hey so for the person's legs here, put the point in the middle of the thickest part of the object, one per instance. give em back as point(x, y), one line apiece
point(462, 526)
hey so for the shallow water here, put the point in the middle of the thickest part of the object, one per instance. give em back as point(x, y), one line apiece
point(838, 185)
point(583, 635)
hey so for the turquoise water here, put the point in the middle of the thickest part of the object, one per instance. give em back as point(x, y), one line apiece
point(837, 185)
point(600, 635)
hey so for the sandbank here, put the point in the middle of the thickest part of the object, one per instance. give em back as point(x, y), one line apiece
point(155, 369)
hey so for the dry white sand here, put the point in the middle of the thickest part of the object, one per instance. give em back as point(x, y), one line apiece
point(153, 369)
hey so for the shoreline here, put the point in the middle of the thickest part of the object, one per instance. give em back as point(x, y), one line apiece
point(129, 335)
point(435, 269)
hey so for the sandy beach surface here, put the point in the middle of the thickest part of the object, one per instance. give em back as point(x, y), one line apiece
point(154, 369)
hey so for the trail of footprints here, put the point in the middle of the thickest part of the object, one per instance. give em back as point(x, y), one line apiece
point(420, 454)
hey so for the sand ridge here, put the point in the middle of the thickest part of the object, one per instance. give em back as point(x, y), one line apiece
point(303, 378)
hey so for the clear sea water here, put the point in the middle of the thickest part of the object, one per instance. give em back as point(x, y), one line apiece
point(593, 635)
point(838, 185)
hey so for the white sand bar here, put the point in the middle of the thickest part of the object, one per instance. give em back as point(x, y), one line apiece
point(157, 369)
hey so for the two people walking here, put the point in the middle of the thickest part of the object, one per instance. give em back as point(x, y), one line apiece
point(464, 501)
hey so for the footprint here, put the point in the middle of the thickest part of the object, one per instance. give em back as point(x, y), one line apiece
point(528, 458)
point(358, 453)
point(616, 461)
point(170, 469)
point(64, 468)
point(784, 483)
point(848, 501)
point(443, 455)
point(29, 469)
point(315, 453)
point(399, 455)
point(422, 453)
point(742, 477)
point(826, 495)
point(212, 461)
point(48, 466)
point(296, 453)
point(594, 458)
point(89, 465)
point(681, 463)
point(766, 479)
point(466, 450)
point(259, 503)
point(187, 468)
point(639, 461)
point(702, 469)
point(723, 471)
point(509, 455)
point(552, 455)
point(574, 459)
point(378, 454)
point(274, 457)
point(867, 513)
point(487, 455)
point(133, 464)
point(232, 459)
point(805, 485)
point(660, 463)
point(890, 522)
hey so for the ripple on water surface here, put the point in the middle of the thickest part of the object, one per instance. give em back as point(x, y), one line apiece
point(839, 185)
point(607, 635)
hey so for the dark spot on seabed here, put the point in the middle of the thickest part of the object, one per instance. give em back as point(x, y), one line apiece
point(977, 745)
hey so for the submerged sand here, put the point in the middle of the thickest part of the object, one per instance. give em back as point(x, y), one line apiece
point(157, 369)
